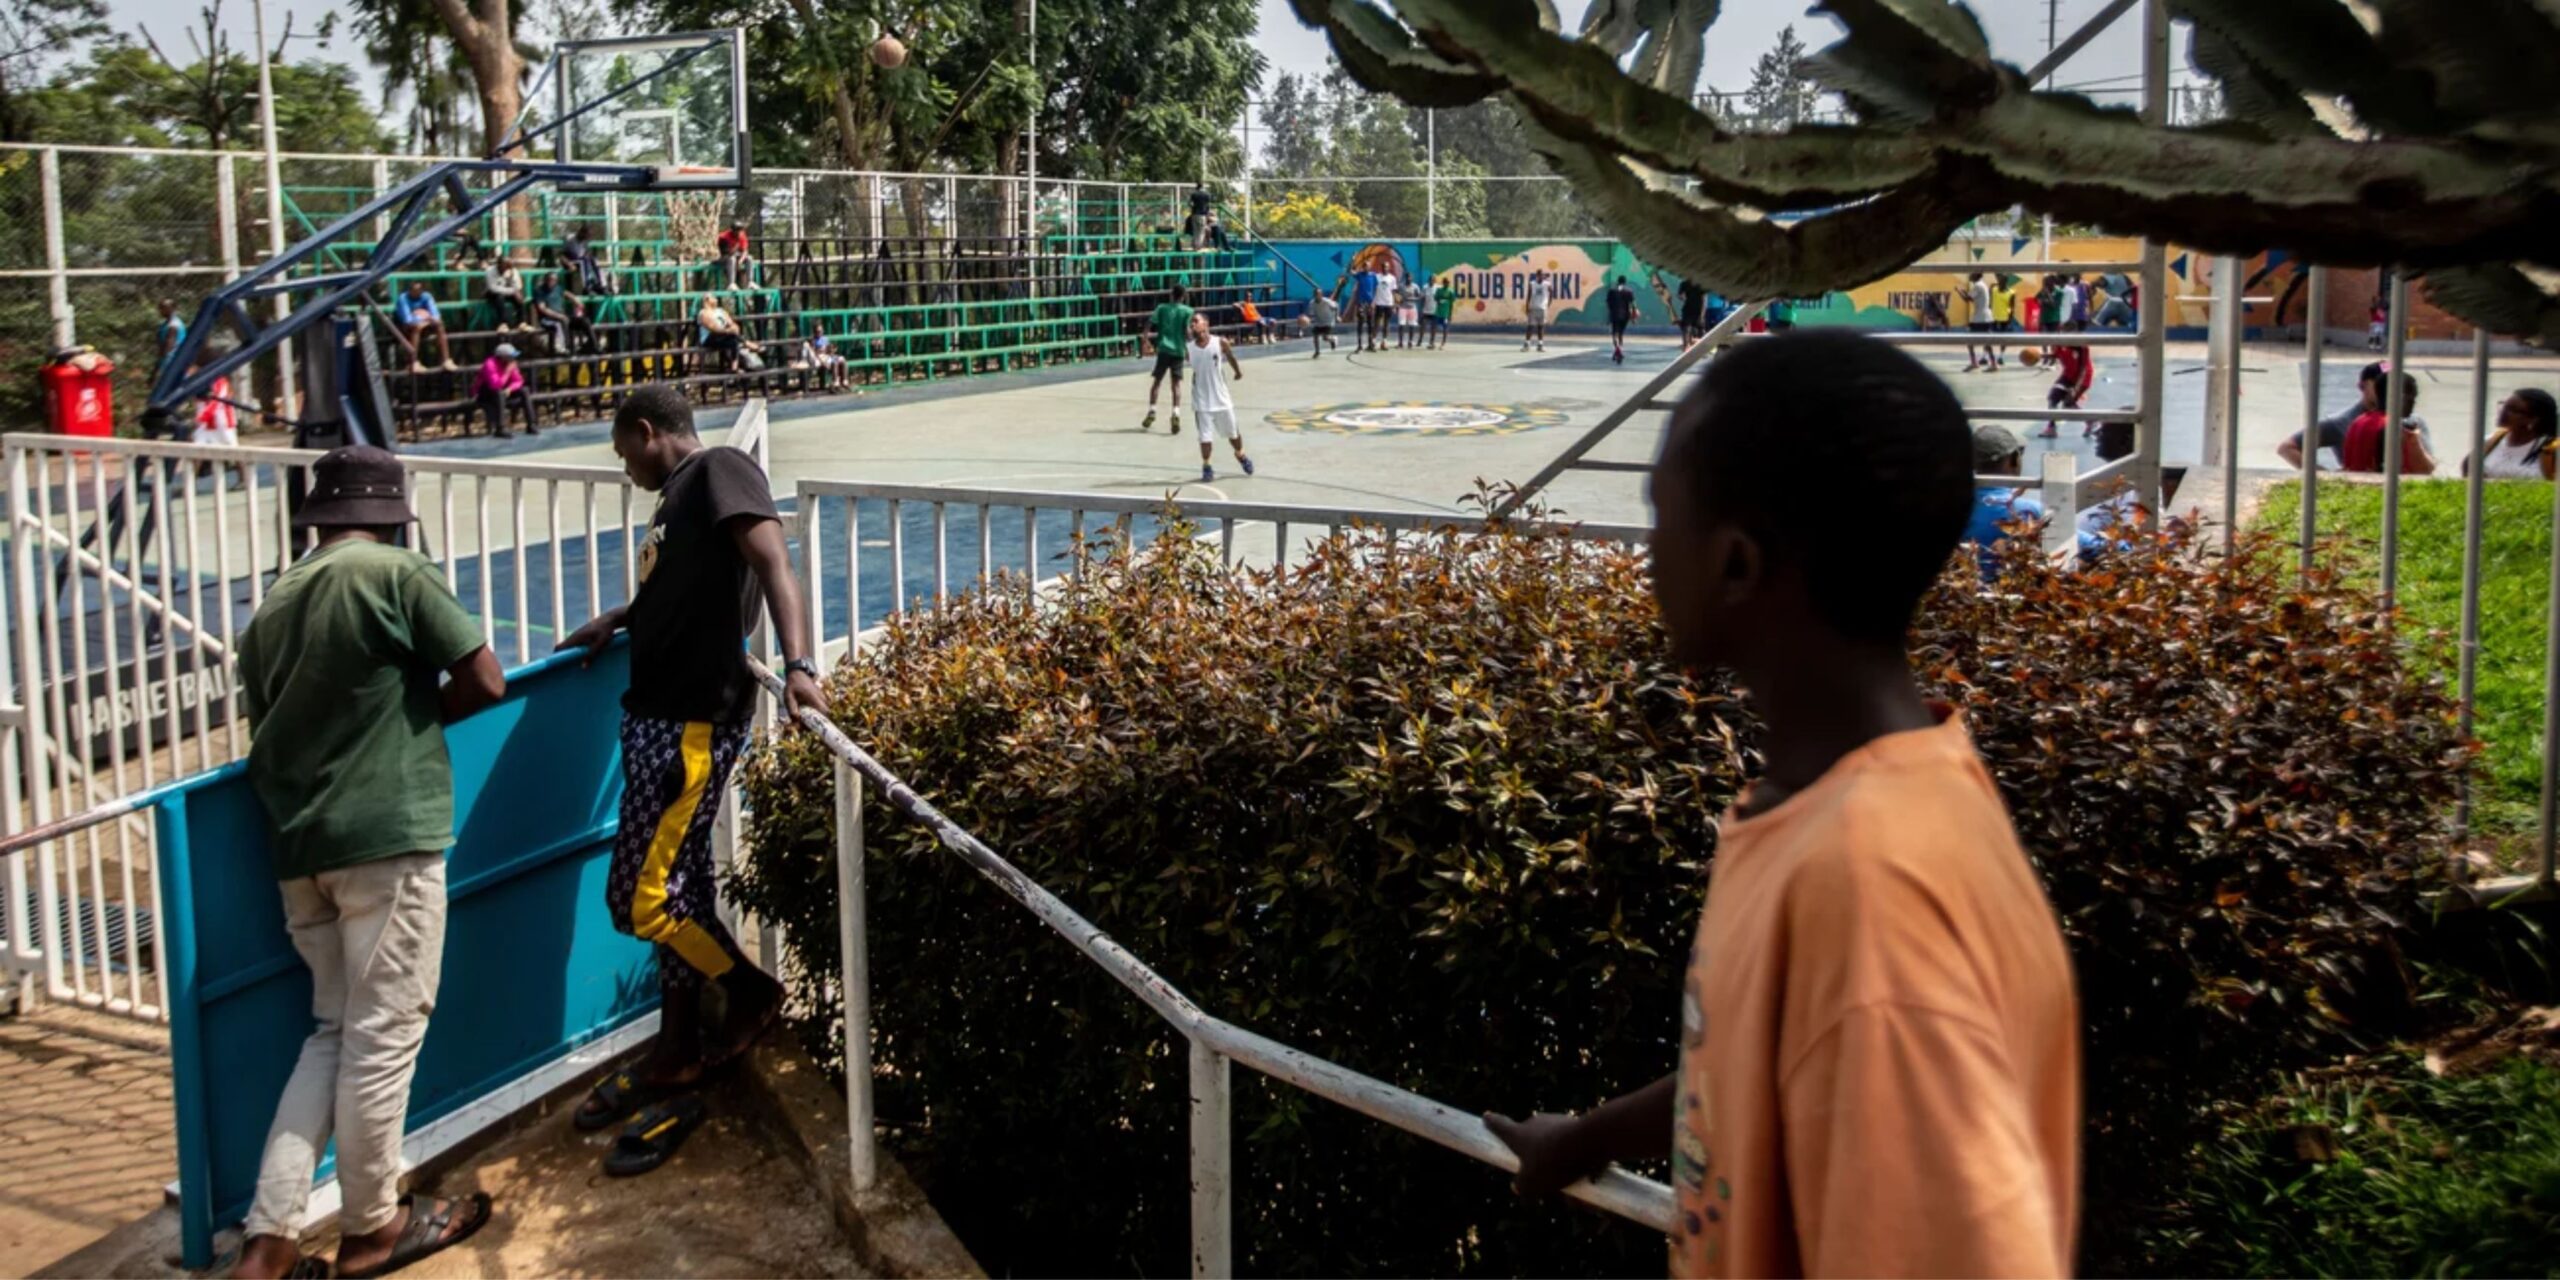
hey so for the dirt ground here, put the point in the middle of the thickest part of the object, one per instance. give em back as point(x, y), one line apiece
point(732, 1203)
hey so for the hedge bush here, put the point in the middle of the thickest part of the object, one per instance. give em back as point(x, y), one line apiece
point(1443, 814)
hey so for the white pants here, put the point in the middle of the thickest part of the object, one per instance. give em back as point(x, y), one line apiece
point(1212, 421)
point(373, 935)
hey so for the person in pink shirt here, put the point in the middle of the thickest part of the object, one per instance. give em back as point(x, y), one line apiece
point(500, 385)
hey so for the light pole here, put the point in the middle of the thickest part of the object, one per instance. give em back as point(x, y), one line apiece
point(2052, 37)
point(288, 395)
point(1030, 147)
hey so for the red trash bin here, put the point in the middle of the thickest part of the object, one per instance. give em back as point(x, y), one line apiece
point(79, 397)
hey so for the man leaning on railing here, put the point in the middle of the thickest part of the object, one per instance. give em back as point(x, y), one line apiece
point(714, 546)
point(339, 674)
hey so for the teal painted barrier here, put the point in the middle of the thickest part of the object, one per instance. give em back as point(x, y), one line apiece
point(532, 965)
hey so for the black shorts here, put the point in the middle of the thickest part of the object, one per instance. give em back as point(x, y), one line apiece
point(1618, 328)
point(1168, 362)
point(1323, 330)
point(1979, 326)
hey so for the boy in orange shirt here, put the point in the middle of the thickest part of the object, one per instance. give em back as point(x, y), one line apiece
point(1879, 1064)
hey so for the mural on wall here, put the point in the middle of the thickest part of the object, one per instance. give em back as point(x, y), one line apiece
point(1491, 277)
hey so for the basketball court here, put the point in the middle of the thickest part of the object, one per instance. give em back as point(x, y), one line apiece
point(1408, 430)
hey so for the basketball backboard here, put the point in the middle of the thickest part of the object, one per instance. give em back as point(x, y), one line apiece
point(682, 108)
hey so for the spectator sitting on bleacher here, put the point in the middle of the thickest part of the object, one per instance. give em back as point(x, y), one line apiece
point(1217, 235)
point(498, 387)
point(414, 316)
point(1258, 327)
point(586, 275)
point(820, 354)
point(562, 316)
point(733, 255)
point(505, 295)
point(721, 334)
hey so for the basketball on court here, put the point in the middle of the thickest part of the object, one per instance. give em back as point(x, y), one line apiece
point(888, 53)
point(2031, 356)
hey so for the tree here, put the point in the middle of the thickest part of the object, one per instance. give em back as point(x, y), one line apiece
point(33, 34)
point(1780, 94)
point(1487, 136)
point(1336, 141)
point(1121, 94)
point(1294, 142)
point(2414, 141)
point(401, 36)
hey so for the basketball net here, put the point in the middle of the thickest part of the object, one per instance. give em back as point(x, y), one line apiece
point(693, 222)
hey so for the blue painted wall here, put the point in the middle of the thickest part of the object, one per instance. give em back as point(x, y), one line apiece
point(532, 965)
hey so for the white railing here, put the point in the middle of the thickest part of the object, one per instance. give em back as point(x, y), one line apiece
point(869, 549)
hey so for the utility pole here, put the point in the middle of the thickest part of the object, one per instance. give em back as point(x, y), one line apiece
point(289, 396)
point(2052, 39)
point(1430, 174)
point(1031, 146)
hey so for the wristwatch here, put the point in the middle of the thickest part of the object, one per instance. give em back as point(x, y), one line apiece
point(804, 667)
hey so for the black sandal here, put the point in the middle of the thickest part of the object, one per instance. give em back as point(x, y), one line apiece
point(653, 1138)
point(310, 1266)
point(425, 1236)
point(615, 1097)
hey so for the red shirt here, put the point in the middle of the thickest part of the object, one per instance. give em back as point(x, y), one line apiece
point(217, 413)
point(733, 242)
point(2072, 363)
point(2363, 448)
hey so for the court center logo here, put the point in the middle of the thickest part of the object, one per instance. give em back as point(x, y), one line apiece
point(1380, 417)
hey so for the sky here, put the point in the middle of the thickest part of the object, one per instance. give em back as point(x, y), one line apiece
point(1746, 29)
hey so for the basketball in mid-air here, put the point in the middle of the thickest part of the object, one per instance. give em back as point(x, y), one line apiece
point(2031, 356)
point(888, 53)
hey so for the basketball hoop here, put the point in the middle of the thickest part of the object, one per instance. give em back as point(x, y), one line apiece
point(693, 216)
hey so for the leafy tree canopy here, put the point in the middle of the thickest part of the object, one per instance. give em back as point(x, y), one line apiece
point(122, 94)
point(1125, 92)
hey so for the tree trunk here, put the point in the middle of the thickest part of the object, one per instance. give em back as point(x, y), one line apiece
point(500, 78)
point(485, 32)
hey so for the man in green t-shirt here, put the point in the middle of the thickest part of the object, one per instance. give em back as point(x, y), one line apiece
point(1444, 304)
point(340, 672)
point(1168, 329)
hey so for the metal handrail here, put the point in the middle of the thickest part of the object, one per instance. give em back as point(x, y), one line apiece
point(1214, 1041)
point(18, 842)
point(1265, 512)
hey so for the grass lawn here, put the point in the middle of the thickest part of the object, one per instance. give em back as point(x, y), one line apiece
point(2515, 594)
point(2515, 610)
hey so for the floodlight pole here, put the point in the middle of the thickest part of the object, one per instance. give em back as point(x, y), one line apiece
point(1030, 147)
point(2052, 37)
point(1430, 174)
point(288, 396)
point(2153, 320)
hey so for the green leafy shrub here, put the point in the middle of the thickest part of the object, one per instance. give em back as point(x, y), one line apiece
point(1443, 816)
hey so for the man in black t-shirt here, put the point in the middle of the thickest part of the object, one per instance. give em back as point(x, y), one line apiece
point(1622, 312)
point(1693, 313)
point(714, 550)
